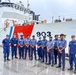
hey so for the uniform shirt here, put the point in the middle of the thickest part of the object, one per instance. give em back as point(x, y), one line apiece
point(50, 44)
point(44, 42)
point(33, 42)
point(72, 45)
point(55, 43)
point(39, 43)
point(62, 43)
point(14, 41)
point(21, 42)
point(6, 43)
point(27, 41)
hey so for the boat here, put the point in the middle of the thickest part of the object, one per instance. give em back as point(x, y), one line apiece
point(12, 14)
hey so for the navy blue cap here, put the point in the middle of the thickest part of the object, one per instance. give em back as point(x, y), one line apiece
point(7, 35)
point(50, 37)
point(33, 36)
point(21, 35)
point(56, 35)
point(73, 36)
point(61, 34)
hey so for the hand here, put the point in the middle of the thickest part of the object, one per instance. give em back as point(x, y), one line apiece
point(68, 54)
point(56, 48)
point(27, 46)
point(75, 55)
point(32, 46)
point(14, 44)
point(60, 51)
point(21, 46)
point(10, 44)
point(38, 47)
point(48, 50)
point(42, 48)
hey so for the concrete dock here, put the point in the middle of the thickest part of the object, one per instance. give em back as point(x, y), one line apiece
point(27, 67)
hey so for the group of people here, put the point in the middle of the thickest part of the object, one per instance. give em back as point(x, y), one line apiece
point(46, 51)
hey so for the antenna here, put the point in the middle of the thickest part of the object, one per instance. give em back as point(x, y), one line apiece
point(9, 0)
point(28, 4)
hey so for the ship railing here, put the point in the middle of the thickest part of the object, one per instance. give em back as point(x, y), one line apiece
point(16, 6)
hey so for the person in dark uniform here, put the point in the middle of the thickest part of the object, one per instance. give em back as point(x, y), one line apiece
point(44, 50)
point(14, 43)
point(6, 48)
point(27, 46)
point(61, 51)
point(21, 47)
point(33, 47)
point(72, 53)
point(50, 51)
point(39, 49)
point(56, 48)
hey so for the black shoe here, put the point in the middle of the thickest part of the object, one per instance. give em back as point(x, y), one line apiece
point(4, 60)
point(47, 63)
point(36, 59)
point(42, 61)
point(55, 63)
point(31, 59)
point(58, 67)
point(52, 65)
point(8, 59)
point(74, 71)
point(70, 68)
point(63, 69)
point(16, 57)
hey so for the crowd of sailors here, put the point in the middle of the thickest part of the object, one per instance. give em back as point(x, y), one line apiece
point(43, 50)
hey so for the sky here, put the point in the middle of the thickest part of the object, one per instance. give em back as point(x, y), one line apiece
point(55, 8)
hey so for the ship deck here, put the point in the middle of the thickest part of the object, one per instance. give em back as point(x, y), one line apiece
point(27, 67)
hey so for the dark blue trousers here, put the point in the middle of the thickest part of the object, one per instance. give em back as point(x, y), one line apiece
point(51, 57)
point(55, 55)
point(21, 52)
point(27, 50)
point(44, 54)
point(6, 52)
point(33, 51)
point(14, 51)
point(39, 53)
point(71, 59)
point(61, 58)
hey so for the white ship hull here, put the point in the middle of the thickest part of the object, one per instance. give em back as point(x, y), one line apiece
point(67, 28)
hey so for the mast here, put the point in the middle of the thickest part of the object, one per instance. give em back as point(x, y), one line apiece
point(28, 4)
point(9, 0)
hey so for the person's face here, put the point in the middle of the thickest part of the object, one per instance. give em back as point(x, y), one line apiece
point(21, 36)
point(50, 39)
point(28, 36)
point(33, 37)
point(14, 36)
point(61, 37)
point(39, 38)
point(7, 37)
point(44, 38)
point(56, 37)
point(73, 39)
